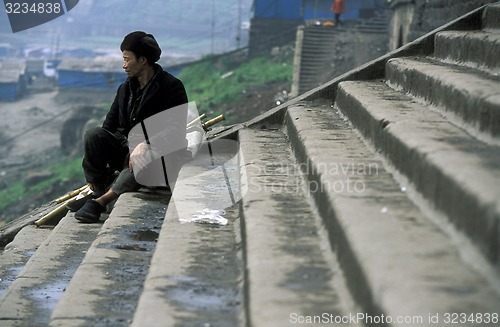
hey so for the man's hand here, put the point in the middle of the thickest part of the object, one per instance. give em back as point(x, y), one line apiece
point(140, 157)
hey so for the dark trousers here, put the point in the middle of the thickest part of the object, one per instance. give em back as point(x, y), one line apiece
point(106, 153)
point(337, 20)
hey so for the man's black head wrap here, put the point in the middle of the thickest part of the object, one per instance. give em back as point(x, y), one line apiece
point(142, 44)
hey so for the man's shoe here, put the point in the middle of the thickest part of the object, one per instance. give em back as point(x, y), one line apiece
point(90, 212)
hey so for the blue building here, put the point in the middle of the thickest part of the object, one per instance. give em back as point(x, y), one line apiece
point(278, 9)
point(313, 9)
point(90, 73)
point(12, 80)
point(275, 22)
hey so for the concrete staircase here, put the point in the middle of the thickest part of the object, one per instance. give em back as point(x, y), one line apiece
point(378, 24)
point(313, 48)
point(318, 47)
point(372, 200)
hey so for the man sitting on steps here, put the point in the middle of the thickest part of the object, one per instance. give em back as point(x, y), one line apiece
point(148, 91)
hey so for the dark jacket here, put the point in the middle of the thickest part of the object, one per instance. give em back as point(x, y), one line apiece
point(164, 91)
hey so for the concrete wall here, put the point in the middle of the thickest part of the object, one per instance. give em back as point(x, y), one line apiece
point(401, 20)
point(414, 18)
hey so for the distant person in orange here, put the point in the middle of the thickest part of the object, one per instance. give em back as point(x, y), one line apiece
point(338, 7)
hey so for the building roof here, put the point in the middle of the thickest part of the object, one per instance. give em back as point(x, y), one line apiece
point(99, 64)
point(11, 70)
point(35, 65)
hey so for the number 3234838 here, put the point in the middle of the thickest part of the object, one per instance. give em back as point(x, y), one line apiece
point(476, 318)
point(32, 8)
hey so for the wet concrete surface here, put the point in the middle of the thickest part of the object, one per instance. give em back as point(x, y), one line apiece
point(135, 244)
point(46, 296)
point(38, 286)
point(210, 293)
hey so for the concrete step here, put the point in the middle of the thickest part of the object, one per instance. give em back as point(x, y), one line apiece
point(312, 67)
point(313, 36)
point(195, 277)
point(491, 18)
point(17, 253)
point(456, 173)
point(290, 270)
point(38, 287)
point(196, 274)
point(477, 49)
point(468, 97)
point(370, 30)
point(9, 231)
point(396, 261)
point(315, 47)
point(105, 288)
point(322, 46)
point(375, 23)
point(375, 27)
point(321, 30)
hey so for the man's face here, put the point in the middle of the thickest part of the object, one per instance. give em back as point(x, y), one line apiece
point(133, 66)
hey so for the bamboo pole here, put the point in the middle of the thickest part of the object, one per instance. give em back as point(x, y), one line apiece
point(60, 211)
point(194, 121)
point(71, 194)
point(57, 213)
point(213, 121)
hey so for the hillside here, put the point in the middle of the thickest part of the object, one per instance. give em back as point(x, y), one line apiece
point(238, 88)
